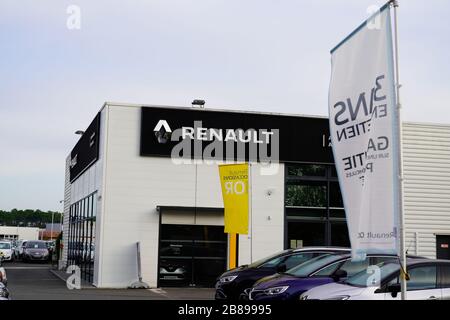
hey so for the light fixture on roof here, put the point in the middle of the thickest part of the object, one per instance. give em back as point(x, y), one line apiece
point(80, 132)
point(197, 102)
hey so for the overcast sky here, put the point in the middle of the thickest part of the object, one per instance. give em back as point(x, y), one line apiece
point(256, 55)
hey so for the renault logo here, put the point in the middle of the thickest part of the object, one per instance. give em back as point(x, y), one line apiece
point(162, 131)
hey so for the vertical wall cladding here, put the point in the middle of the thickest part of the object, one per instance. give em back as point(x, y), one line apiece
point(266, 231)
point(67, 194)
point(426, 151)
point(136, 185)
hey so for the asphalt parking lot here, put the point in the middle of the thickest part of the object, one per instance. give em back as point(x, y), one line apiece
point(35, 281)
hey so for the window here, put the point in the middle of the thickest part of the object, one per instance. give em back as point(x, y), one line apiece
point(314, 208)
point(422, 278)
point(327, 271)
point(445, 276)
point(306, 233)
point(36, 245)
point(81, 236)
point(339, 234)
point(307, 171)
point(272, 263)
point(335, 195)
point(306, 195)
point(353, 268)
point(381, 261)
point(297, 259)
point(362, 279)
point(311, 266)
point(5, 245)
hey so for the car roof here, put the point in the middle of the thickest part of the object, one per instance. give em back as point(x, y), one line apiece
point(427, 261)
point(332, 249)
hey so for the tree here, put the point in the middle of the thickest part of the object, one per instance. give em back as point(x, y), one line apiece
point(28, 217)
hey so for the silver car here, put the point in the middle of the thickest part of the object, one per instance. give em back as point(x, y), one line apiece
point(35, 251)
point(429, 280)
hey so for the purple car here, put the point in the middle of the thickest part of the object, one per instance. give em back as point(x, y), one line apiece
point(232, 283)
point(291, 284)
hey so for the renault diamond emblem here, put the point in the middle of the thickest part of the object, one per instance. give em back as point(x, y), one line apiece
point(162, 131)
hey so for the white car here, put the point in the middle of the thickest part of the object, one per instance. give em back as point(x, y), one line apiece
point(20, 245)
point(429, 280)
point(6, 250)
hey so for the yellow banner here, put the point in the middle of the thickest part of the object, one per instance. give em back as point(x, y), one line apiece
point(234, 181)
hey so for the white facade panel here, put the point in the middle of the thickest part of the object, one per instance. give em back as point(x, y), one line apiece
point(267, 216)
point(20, 233)
point(426, 149)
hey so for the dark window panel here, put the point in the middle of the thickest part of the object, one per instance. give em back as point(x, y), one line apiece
point(306, 233)
point(306, 212)
point(307, 170)
point(339, 234)
point(335, 196)
point(306, 195)
point(337, 213)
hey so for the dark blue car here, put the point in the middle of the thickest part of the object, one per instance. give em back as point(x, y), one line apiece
point(231, 284)
point(321, 270)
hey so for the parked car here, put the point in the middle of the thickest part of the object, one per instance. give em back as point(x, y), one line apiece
point(231, 284)
point(429, 280)
point(3, 278)
point(322, 270)
point(35, 251)
point(4, 293)
point(173, 272)
point(81, 252)
point(19, 248)
point(6, 250)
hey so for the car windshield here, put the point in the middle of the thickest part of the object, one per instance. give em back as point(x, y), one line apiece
point(308, 267)
point(263, 261)
point(36, 245)
point(5, 245)
point(363, 278)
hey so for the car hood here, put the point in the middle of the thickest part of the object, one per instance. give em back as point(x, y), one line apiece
point(6, 250)
point(333, 290)
point(237, 271)
point(279, 280)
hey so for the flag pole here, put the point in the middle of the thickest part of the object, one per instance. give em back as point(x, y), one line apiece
point(400, 161)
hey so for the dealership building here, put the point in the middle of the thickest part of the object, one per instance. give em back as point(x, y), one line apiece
point(149, 174)
point(19, 233)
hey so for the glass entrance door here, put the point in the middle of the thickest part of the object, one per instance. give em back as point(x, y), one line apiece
point(191, 255)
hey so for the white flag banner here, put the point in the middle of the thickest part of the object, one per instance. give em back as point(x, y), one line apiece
point(364, 134)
